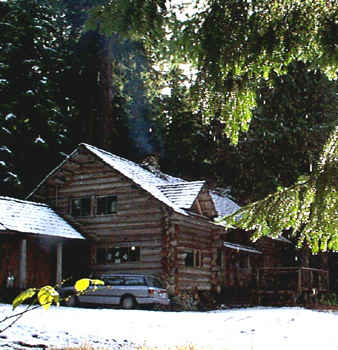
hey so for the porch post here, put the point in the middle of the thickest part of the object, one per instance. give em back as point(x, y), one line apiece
point(23, 264)
point(59, 262)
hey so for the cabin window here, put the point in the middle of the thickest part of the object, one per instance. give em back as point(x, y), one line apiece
point(117, 255)
point(189, 259)
point(106, 205)
point(193, 258)
point(80, 206)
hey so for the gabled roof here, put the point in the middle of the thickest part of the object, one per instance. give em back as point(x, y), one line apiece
point(33, 218)
point(183, 194)
point(146, 179)
point(176, 193)
point(224, 206)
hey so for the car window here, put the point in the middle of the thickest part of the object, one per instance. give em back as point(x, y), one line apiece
point(134, 281)
point(154, 282)
point(114, 281)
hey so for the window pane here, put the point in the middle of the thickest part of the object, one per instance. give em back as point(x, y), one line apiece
point(75, 209)
point(118, 255)
point(134, 254)
point(116, 259)
point(85, 206)
point(106, 205)
point(80, 207)
point(154, 282)
point(135, 281)
point(109, 256)
point(114, 281)
point(124, 254)
point(189, 259)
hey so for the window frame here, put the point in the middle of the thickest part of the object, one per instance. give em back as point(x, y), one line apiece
point(111, 251)
point(98, 198)
point(81, 199)
point(195, 256)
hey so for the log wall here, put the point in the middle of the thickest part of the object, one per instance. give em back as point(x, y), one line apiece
point(196, 237)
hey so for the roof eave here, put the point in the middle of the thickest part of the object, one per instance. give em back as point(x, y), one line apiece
point(51, 173)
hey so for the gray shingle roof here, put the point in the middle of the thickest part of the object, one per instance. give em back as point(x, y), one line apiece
point(224, 206)
point(33, 218)
point(183, 194)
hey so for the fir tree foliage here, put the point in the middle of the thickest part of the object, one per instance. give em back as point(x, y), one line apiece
point(308, 209)
point(32, 55)
point(235, 45)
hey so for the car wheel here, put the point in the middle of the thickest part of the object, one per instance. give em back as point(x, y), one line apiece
point(128, 302)
point(71, 300)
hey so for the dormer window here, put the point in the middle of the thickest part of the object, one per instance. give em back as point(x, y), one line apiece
point(80, 207)
point(106, 205)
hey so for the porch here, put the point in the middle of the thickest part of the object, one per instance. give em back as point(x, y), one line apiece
point(280, 285)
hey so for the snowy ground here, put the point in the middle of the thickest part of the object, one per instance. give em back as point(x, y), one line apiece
point(233, 329)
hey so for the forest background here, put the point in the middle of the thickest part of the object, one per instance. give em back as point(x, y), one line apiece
point(250, 116)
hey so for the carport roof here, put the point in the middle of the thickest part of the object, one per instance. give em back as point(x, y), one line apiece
point(33, 218)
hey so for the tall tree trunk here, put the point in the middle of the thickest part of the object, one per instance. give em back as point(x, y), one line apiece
point(107, 129)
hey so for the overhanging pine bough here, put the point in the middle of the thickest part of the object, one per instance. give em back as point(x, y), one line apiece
point(234, 45)
point(308, 209)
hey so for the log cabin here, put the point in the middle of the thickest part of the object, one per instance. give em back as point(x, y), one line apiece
point(137, 219)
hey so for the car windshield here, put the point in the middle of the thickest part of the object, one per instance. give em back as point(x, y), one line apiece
point(154, 282)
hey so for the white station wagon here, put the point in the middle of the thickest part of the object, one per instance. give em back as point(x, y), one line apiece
point(125, 290)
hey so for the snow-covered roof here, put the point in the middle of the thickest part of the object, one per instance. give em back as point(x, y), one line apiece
point(182, 194)
point(146, 179)
point(33, 218)
point(172, 191)
point(175, 192)
point(241, 247)
point(224, 206)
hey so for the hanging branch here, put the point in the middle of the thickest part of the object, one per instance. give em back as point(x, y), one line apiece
point(309, 207)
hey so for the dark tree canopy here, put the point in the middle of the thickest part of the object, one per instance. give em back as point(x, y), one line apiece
point(61, 86)
point(236, 46)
